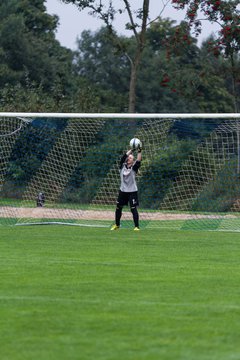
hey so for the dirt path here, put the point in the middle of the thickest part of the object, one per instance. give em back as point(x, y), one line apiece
point(47, 213)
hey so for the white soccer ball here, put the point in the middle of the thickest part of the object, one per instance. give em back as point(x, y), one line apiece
point(135, 143)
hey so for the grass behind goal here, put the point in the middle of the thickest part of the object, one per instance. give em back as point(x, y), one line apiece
point(83, 293)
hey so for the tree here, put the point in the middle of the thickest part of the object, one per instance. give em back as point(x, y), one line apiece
point(216, 81)
point(178, 76)
point(28, 48)
point(138, 21)
point(175, 76)
point(227, 14)
point(36, 72)
point(169, 69)
point(103, 68)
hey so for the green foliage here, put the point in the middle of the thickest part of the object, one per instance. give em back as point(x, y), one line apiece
point(221, 193)
point(28, 44)
point(163, 170)
point(32, 98)
point(37, 74)
point(226, 14)
point(28, 153)
point(101, 64)
point(177, 76)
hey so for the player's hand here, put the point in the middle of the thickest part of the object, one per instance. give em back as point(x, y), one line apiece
point(139, 149)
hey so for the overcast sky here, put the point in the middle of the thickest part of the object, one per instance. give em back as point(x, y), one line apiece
point(73, 22)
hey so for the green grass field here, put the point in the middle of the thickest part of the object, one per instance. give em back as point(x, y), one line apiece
point(82, 293)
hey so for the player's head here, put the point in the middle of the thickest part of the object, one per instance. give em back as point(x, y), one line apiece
point(130, 160)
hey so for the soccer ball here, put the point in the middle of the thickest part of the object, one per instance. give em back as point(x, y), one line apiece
point(135, 143)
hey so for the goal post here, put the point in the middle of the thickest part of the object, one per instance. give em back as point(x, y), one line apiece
point(63, 168)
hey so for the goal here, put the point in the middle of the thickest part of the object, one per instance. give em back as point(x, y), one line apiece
point(59, 168)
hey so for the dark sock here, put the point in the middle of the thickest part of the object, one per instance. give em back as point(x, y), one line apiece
point(118, 214)
point(135, 217)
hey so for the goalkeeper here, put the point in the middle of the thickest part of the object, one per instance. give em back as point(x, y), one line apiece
point(128, 193)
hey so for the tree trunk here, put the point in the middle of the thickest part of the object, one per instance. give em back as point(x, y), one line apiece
point(133, 82)
point(234, 82)
point(140, 39)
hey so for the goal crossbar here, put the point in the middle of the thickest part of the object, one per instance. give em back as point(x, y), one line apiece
point(122, 116)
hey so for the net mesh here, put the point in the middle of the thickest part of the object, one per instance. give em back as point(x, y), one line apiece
point(66, 170)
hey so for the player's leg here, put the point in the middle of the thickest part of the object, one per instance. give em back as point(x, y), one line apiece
point(121, 201)
point(118, 214)
point(135, 217)
point(133, 201)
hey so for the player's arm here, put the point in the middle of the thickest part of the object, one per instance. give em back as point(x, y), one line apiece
point(139, 154)
point(124, 157)
point(137, 163)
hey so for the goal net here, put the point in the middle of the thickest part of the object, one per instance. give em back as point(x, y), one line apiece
point(64, 169)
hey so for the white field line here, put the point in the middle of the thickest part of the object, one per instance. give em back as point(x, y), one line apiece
point(48, 299)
